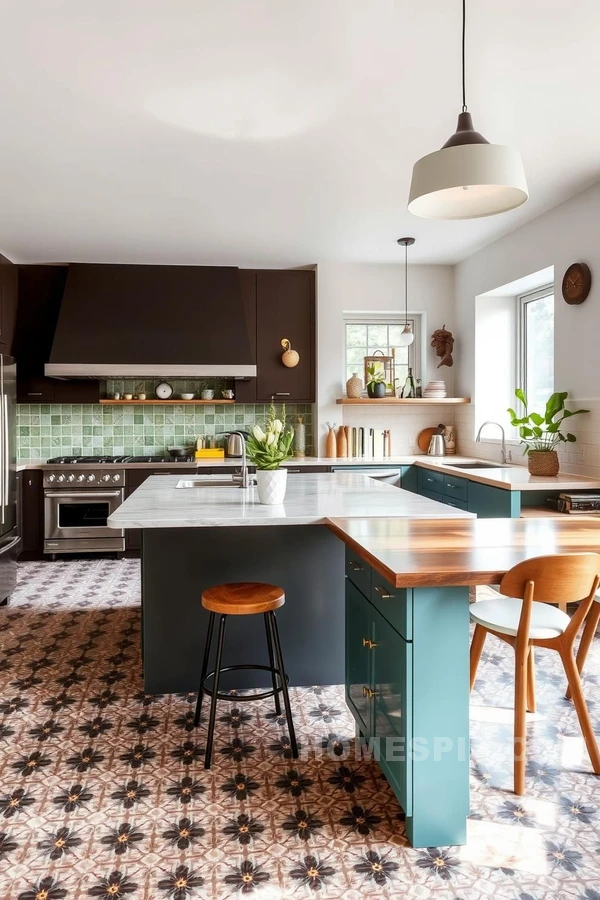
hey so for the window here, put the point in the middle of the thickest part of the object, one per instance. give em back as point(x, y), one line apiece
point(536, 347)
point(365, 336)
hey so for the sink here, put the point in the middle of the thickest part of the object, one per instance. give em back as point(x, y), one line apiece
point(476, 465)
point(196, 483)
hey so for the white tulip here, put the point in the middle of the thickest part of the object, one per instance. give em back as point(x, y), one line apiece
point(270, 439)
point(277, 426)
point(258, 433)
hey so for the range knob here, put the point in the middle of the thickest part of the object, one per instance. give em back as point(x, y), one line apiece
point(116, 477)
point(105, 478)
point(71, 477)
point(81, 477)
point(91, 477)
point(61, 478)
point(51, 477)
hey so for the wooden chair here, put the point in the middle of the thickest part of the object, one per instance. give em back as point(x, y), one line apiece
point(591, 624)
point(525, 623)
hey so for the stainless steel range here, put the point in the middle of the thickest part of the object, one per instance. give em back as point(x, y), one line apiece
point(77, 505)
point(80, 493)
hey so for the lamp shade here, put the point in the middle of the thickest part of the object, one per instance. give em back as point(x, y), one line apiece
point(467, 181)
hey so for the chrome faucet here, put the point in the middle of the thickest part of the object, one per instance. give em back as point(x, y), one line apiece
point(506, 457)
point(244, 478)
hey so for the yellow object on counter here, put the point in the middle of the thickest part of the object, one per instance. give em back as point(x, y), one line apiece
point(214, 453)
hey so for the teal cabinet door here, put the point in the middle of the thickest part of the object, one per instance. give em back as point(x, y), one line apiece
point(489, 502)
point(392, 714)
point(409, 480)
point(359, 637)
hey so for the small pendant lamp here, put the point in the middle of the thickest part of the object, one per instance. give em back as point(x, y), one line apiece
point(468, 178)
point(406, 335)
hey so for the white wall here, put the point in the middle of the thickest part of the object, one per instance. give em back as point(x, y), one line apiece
point(350, 286)
point(568, 233)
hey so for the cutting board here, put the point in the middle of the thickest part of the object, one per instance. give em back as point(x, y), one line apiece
point(424, 437)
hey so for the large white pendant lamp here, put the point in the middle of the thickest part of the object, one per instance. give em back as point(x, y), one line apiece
point(468, 178)
point(406, 335)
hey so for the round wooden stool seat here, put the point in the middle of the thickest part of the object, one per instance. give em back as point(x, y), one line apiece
point(243, 598)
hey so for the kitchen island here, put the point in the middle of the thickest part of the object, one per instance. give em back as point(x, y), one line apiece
point(214, 531)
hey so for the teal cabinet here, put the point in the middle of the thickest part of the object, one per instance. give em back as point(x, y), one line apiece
point(407, 687)
point(409, 479)
point(359, 637)
point(489, 502)
point(392, 708)
point(484, 500)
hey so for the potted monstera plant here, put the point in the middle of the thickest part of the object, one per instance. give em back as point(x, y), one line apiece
point(267, 448)
point(541, 433)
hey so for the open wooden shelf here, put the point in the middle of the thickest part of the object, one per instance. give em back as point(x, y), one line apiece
point(218, 402)
point(414, 401)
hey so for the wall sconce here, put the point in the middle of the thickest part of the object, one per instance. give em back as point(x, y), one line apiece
point(290, 358)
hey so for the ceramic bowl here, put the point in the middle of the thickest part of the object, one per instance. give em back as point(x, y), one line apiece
point(187, 396)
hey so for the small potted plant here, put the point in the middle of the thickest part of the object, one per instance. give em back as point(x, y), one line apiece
point(376, 385)
point(268, 448)
point(541, 432)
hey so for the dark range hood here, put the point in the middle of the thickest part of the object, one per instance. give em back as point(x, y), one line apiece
point(151, 321)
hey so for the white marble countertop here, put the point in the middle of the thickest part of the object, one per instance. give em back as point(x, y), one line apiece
point(309, 500)
point(510, 477)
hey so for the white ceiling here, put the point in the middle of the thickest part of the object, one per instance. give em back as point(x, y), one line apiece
point(275, 132)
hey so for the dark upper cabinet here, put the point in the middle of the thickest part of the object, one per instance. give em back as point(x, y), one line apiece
point(8, 304)
point(285, 308)
point(40, 290)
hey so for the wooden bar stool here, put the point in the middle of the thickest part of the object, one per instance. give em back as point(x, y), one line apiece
point(244, 598)
point(525, 623)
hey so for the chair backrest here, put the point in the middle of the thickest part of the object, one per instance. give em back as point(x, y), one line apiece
point(561, 578)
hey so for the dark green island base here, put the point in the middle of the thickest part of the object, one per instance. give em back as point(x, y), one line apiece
point(403, 653)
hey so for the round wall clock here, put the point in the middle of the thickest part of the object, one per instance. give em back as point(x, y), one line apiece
point(576, 283)
point(164, 390)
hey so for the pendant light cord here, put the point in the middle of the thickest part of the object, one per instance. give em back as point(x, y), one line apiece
point(406, 286)
point(464, 29)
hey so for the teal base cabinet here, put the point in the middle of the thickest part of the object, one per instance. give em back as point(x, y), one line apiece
point(407, 686)
point(486, 501)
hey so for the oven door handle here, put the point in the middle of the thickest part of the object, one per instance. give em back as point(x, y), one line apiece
point(80, 494)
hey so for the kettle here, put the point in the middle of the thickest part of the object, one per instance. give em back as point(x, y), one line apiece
point(437, 444)
point(234, 448)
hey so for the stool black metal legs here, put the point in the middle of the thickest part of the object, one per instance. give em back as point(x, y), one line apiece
point(215, 692)
point(209, 634)
point(275, 667)
point(272, 664)
point(284, 687)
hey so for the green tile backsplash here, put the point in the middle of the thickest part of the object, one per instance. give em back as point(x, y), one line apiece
point(45, 430)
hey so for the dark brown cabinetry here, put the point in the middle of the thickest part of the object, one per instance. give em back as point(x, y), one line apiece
point(30, 513)
point(285, 308)
point(8, 304)
point(40, 290)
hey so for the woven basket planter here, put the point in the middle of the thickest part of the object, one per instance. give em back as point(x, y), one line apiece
point(543, 462)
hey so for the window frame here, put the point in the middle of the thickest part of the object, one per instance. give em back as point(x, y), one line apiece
point(384, 318)
point(521, 355)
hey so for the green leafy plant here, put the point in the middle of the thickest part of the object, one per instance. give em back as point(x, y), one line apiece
point(269, 447)
point(542, 431)
point(376, 376)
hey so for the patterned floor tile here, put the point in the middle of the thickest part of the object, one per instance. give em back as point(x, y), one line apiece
point(103, 792)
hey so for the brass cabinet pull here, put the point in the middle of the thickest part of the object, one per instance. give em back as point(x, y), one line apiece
point(383, 593)
point(369, 693)
point(368, 643)
point(355, 566)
